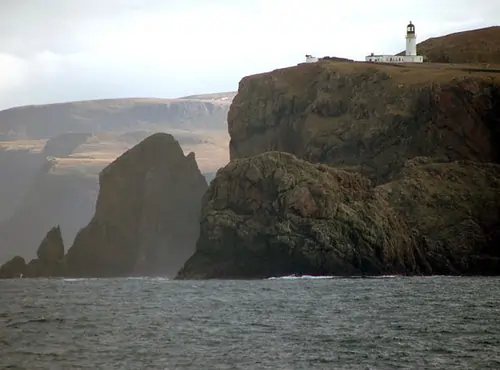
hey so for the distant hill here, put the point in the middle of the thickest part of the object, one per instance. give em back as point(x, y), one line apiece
point(474, 46)
point(222, 97)
point(118, 115)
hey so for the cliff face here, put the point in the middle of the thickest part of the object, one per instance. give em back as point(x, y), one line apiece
point(368, 118)
point(273, 215)
point(146, 220)
point(54, 197)
point(453, 210)
point(18, 169)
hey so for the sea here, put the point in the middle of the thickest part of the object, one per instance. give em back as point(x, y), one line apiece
point(283, 323)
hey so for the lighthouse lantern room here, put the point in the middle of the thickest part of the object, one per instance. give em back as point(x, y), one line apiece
point(411, 40)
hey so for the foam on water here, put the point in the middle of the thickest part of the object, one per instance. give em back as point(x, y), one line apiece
point(299, 277)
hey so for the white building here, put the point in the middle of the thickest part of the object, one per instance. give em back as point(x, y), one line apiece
point(311, 59)
point(410, 54)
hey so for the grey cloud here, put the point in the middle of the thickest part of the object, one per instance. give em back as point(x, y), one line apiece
point(30, 26)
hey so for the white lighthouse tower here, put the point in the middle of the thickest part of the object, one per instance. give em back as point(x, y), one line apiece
point(410, 52)
point(411, 40)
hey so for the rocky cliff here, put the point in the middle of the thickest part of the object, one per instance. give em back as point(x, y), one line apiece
point(394, 169)
point(368, 118)
point(273, 215)
point(146, 220)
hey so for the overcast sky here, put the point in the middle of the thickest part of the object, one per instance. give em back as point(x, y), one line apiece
point(61, 50)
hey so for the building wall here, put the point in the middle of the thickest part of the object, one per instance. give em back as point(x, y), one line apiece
point(394, 59)
point(311, 59)
point(411, 46)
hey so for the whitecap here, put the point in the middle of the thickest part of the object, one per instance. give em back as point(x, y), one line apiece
point(300, 277)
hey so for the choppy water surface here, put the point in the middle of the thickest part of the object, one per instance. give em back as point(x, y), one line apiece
point(384, 323)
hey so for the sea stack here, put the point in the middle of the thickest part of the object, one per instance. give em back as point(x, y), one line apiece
point(146, 220)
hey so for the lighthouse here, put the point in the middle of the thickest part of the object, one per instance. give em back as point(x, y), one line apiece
point(411, 40)
point(410, 54)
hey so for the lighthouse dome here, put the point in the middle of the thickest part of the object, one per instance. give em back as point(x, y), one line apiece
point(410, 29)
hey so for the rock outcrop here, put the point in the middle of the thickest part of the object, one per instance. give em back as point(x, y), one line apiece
point(146, 220)
point(273, 214)
point(50, 261)
point(368, 118)
point(50, 253)
point(15, 268)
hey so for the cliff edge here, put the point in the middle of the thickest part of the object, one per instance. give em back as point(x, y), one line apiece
point(368, 118)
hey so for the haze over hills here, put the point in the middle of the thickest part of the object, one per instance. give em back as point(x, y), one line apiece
point(51, 155)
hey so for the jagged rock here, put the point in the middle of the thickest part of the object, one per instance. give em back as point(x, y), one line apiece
point(50, 261)
point(273, 214)
point(15, 268)
point(368, 118)
point(147, 214)
point(52, 246)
